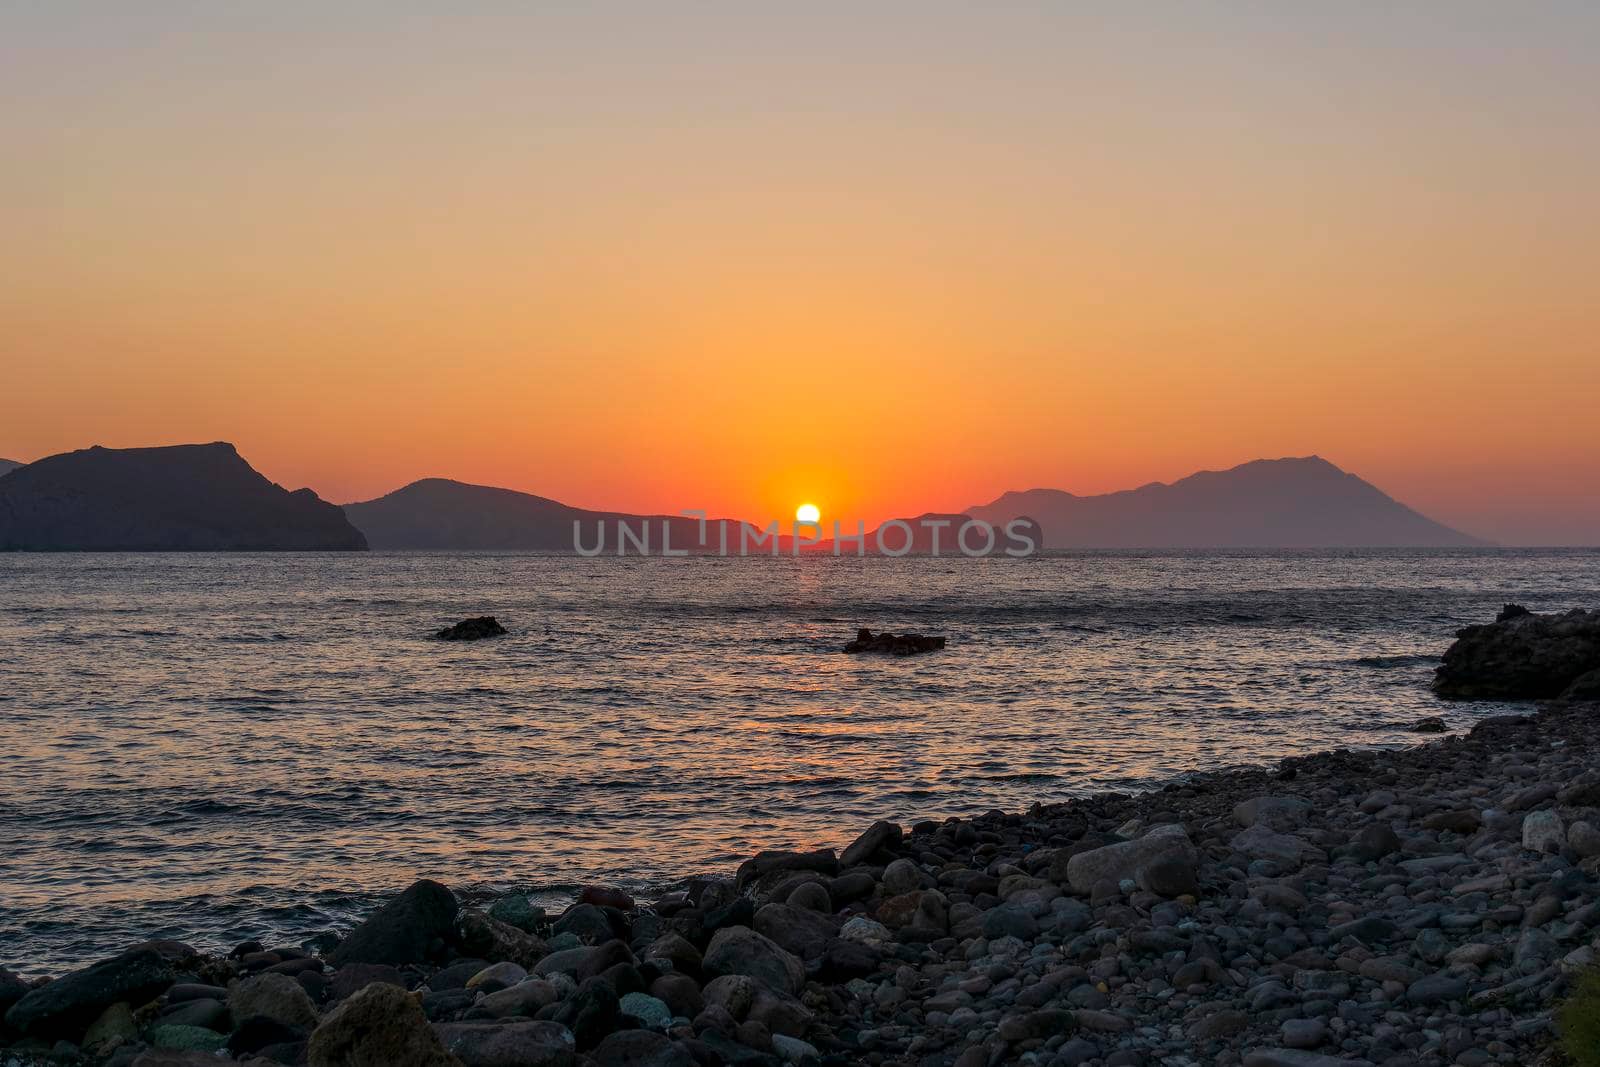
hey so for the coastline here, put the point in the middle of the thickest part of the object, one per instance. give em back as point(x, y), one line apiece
point(1369, 906)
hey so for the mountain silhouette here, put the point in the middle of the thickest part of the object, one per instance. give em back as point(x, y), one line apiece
point(1269, 503)
point(8, 465)
point(179, 498)
point(445, 515)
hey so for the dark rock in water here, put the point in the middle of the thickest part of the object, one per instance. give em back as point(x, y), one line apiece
point(411, 928)
point(1520, 656)
point(472, 629)
point(1433, 724)
point(893, 644)
point(1511, 611)
point(71, 1002)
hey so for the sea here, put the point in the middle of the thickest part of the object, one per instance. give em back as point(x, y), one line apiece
point(224, 747)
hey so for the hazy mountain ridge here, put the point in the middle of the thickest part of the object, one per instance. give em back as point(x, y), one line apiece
point(176, 498)
point(9, 465)
point(441, 514)
point(1303, 502)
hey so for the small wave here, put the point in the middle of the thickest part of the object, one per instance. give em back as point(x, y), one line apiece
point(1416, 659)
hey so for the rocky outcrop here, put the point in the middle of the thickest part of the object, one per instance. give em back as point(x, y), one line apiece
point(182, 498)
point(1523, 656)
point(893, 644)
point(472, 629)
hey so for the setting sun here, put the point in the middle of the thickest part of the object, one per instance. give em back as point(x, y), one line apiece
point(808, 513)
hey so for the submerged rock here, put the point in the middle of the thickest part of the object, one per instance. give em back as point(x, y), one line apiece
point(472, 629)
point(893, 644)
point(1521, 656)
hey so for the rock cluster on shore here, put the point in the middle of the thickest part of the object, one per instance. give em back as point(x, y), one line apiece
point(1425, 906)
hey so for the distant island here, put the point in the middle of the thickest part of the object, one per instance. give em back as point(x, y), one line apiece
point(439, 514)
point(179, 498)
point(207, 497)
point(1269, 503)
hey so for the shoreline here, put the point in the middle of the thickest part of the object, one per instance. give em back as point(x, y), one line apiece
point(1352, 906)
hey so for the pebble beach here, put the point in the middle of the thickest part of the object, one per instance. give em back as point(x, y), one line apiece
point(1423, 906)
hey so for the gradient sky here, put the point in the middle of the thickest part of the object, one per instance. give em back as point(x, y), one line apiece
point(889, 257)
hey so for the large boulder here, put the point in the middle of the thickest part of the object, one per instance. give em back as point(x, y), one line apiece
point(1124, 860)
point(412, 928)
point(881, 837)
point(740, 950)
point(1520, 656)
point(273, 996)
point(804, 933)
point(480, 934)
point(74, 1001)
point(380, 1026)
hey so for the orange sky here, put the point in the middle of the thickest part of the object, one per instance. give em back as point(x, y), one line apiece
point(891, 261)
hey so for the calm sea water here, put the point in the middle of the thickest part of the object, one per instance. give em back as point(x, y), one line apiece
point(218, 747)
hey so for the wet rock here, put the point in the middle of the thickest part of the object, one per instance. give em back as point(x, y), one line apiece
point(804, 933)
point(823, 861)
point(1432, 724)
point(72, 1002)
point(379, 1026)
point(524, 999)
point(472, 629)
point(878, 839)
point(738, 950)
point(113, 1028)
point(273, 996)
point(414, 927)
point(517, 910)
point(481, 935)
point(675, 949)
point(606, 896)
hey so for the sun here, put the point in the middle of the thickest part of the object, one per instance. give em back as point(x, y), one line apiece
point(808, 513)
